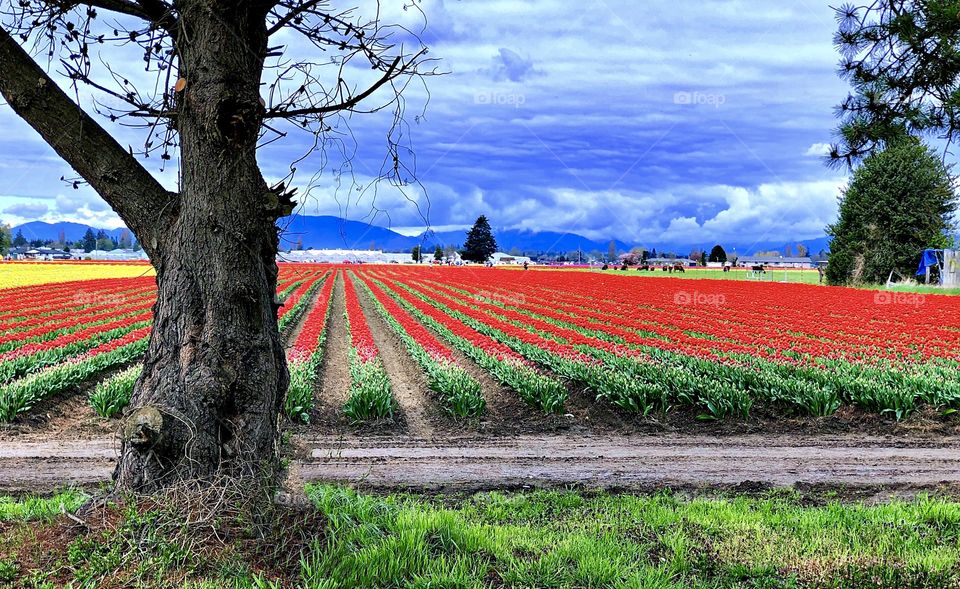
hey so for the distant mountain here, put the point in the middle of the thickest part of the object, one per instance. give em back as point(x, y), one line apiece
point(329, 232)
point(747, 248)
point(528, 241)
point(814, 246)
point(51, 231)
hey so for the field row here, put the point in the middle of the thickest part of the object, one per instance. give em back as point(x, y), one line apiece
point(640, 346)
point(644, 347)
point(56, 339)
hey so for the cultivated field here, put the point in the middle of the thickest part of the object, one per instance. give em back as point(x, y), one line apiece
point(471, 378)
point(17, 274)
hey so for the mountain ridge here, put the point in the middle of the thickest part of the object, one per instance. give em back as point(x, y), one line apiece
point(331, 232)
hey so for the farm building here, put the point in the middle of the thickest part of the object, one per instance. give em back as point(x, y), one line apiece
point(671, 261)
point(502, 259)
point(18, 253)
point(337, 256)
point(39, 253)
point(117, 255)
point(775, 261)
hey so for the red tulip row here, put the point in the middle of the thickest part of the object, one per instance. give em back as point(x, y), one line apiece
point(39, 325)
point(298, 299)
point(34, 304)
point(719, 344)
point(83, 334)
point(56, 337)
point(39, 338)
point(500, 360)
point(361, 339)
point(458, 392)
point(370, 391)
point(313, 331)
point(486, 344)
point(733, 317)
point(306, 354)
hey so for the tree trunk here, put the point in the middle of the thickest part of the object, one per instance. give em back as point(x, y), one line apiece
point(214, 376)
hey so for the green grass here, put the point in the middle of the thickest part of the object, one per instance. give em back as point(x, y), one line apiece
point(805, 276)
point(547, 539)
point(915, 288)
point(40, 508)
point(554, 539)
point(799, 276)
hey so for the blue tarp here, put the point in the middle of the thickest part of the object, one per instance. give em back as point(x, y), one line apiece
point(929, 259)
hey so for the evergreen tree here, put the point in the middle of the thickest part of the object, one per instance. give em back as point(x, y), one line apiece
point(717, 254)
point(438, 253)
point(89, 241)
point(104, 242)
point(480, 244)
point(19, 240)
point(898, 202)
point(416, 254)
point(6, 240)
point(900, 58)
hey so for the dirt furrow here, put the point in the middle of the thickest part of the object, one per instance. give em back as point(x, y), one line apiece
point(407, 381)
point(334, 383)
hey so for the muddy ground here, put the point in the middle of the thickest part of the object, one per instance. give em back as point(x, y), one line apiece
point(62, 442)
point(638, 462)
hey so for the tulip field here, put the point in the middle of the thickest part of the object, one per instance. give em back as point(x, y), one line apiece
point(636, 346)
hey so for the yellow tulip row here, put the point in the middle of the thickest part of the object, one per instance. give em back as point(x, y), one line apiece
point(15, 274)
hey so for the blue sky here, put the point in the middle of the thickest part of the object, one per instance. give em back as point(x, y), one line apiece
point(653, 122)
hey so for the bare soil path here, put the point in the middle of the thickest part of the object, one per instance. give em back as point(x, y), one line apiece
point(334, 385)
point(407, 381)
point(634, 462)
point(551, 461)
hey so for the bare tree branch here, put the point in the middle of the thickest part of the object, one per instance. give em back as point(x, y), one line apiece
point(121, 6)
point(143, 204)
point(392, 72)
point(160, 13)
point(294, 12)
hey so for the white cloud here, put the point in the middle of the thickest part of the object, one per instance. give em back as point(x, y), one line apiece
point(414, 231)
point(597, 146)
point(28, 210)
point(818, 150)
point(510, 65)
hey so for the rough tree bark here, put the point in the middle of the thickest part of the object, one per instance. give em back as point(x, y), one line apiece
point(215, 372)
point(209, 400)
